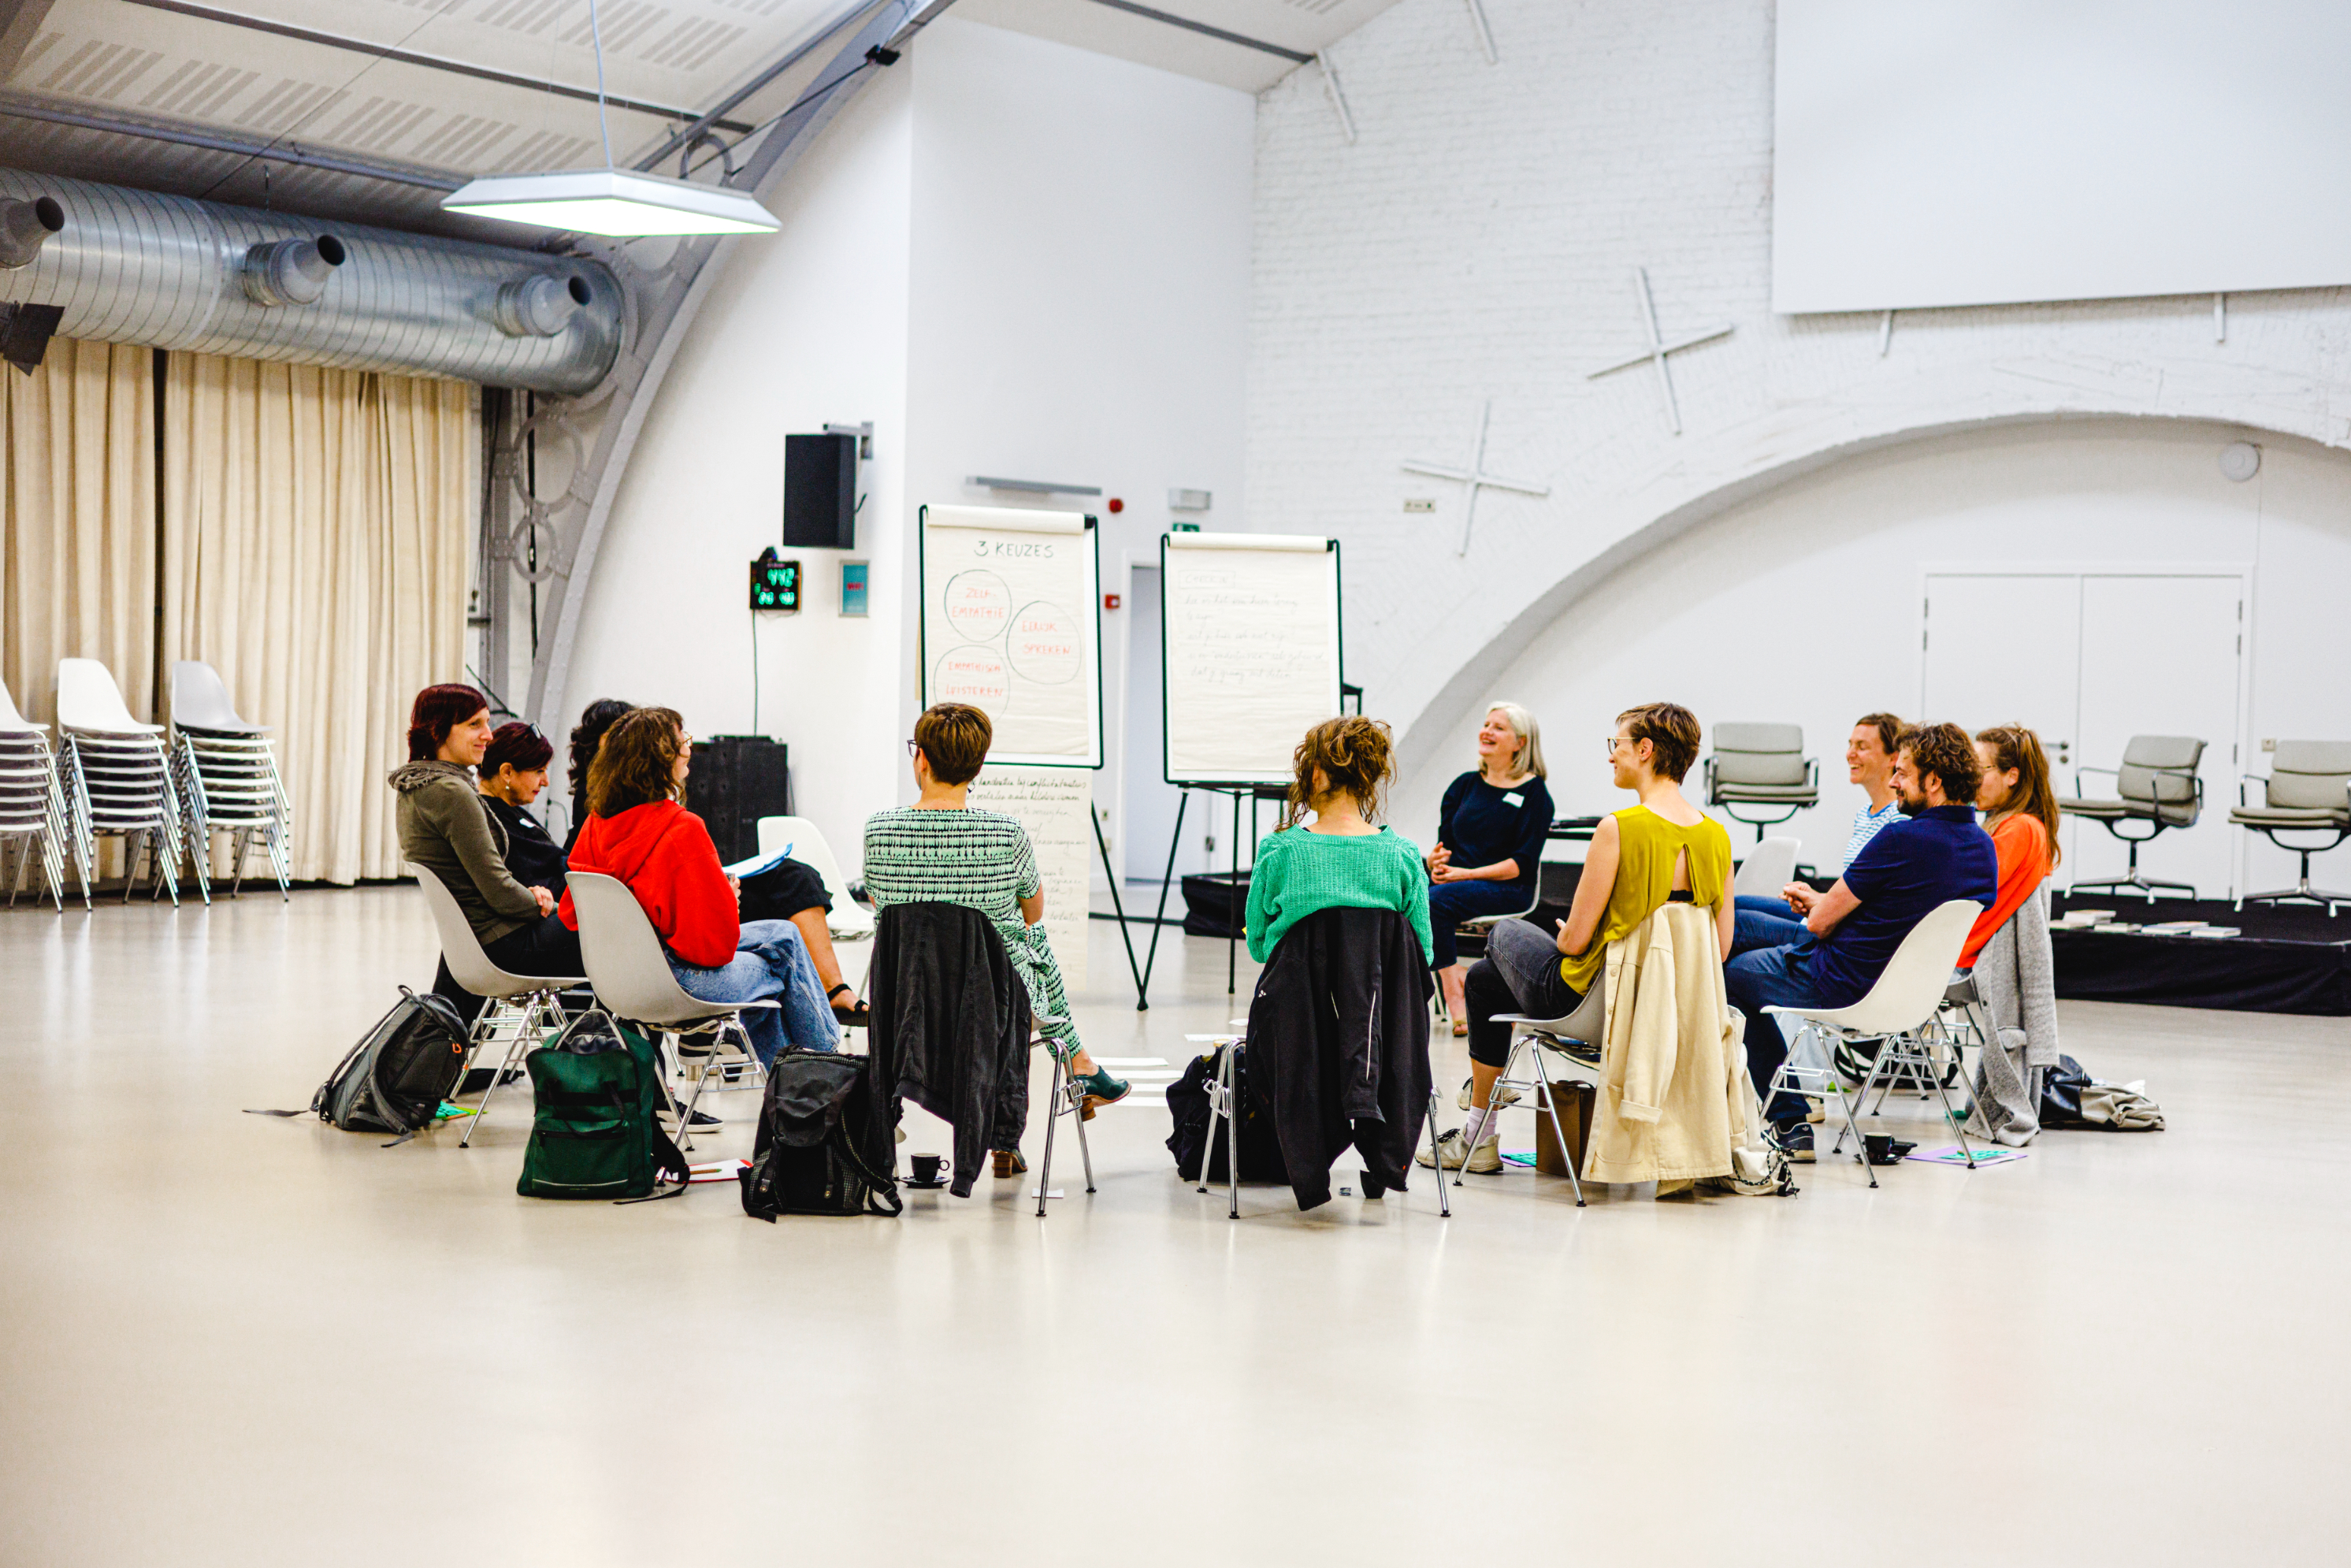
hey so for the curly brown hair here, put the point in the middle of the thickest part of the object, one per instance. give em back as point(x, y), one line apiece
point(1356, 756)
point(1671, 729)
point(1946, 752)
point(636, 762)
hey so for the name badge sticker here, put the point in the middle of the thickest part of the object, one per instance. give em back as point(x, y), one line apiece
point(1514, 798)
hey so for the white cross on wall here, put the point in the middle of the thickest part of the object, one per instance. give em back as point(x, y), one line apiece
point(1476, 476)
point(1658, 349)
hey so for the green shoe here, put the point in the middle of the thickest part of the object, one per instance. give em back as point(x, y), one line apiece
point(1102, 1088)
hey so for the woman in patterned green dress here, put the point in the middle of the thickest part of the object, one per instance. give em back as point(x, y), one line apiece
point(941, 849)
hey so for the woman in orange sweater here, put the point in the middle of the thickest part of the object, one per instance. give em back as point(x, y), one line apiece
point(637, 831)
point(2019, 812)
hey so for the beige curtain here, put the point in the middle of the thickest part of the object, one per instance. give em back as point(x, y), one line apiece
point(77, 521)
point(318, 533)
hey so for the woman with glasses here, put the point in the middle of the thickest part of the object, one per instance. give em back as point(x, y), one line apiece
point(1662, 850)
point(638, 833)
point(1490, 839)
point(942, 850)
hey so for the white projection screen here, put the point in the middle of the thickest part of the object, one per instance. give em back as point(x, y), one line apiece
point(1936, 153)
point(1251, 653)
point(1012, 624)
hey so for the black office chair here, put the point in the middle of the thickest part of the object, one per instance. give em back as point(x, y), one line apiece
point(2158, 788)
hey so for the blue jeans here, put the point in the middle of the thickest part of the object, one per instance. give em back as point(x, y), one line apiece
point(1772, 976)
point(1451, 902)
point(1764, 923)
point(771, 961)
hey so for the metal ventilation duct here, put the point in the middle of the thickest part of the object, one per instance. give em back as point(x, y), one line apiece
point(171, 272)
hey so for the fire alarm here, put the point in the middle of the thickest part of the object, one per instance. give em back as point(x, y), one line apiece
point(1110, 601)
point(1116, 504)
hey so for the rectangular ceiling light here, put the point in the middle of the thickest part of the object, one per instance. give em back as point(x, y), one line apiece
point(612, 202)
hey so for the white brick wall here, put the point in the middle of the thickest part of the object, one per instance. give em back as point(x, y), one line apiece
point(1478, 241)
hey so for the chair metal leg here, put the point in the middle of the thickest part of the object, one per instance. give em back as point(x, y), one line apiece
point(1958, 1129)
point(485, 1029)
point(1077, 1098)
point(1549, 1107)
point(1869, 1079)
point(1473, 1130)
point(1436, 1153)
point(1052, 1117)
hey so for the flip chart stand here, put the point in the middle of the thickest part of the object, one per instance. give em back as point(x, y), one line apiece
point(1167, 879)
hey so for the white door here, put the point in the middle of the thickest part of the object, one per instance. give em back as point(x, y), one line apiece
point(2086, 661)
point(2004, 649)
point(2161, 655)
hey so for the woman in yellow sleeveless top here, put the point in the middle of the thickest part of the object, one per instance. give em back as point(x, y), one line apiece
point(1662, 850)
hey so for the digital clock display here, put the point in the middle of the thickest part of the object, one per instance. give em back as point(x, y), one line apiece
point(775, 584)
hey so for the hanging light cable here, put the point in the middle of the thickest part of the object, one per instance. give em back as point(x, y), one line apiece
point(610, 200)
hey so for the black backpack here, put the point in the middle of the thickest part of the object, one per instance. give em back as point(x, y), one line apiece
point(395, 1078)
point(815, 1152)
point(1187, 1103)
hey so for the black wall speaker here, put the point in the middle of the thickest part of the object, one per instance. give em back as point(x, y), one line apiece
point(737, 779)
point(820, 492)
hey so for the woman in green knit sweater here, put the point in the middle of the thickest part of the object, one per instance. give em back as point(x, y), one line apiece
point(1339, 860)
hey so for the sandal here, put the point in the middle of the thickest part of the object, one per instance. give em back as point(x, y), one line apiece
point(1460, 1027)
point(858, 1017)
point(1008, 1163)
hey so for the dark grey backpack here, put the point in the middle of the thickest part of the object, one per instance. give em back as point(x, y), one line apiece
point(395, 1078)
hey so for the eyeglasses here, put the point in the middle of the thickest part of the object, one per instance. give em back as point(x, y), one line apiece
point(1613, 741)
point(913, 749)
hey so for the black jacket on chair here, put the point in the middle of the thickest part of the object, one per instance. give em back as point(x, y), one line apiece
point(950, 1028)
point(1338, 1043)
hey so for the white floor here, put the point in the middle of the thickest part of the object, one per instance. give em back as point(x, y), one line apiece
point(225, 1339)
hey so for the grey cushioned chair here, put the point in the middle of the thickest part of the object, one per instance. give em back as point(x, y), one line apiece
point(1763, 768)
point(2158, 788)
point(2308, 791)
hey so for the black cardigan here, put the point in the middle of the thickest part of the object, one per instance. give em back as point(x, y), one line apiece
point(1338, 1047)
point(950, 1029)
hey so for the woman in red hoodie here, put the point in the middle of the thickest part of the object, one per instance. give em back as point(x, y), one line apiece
point(637, 831)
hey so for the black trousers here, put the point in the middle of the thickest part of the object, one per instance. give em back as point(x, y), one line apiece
point(545, 947)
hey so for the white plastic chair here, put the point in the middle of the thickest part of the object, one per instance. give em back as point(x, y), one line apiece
point(118, 773)
point(523, 1003)
point(846, 921)
point(89, 701)
point(226, 771)
point(1768, 867)
point(1907, 997)
point(626, 963)
point(1587, 1026)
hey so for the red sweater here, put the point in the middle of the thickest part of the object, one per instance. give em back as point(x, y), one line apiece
point(664, 854)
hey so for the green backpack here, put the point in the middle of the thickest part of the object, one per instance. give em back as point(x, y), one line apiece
point(598, 1085)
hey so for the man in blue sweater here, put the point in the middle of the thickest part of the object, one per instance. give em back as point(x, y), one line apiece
point(1851, 930)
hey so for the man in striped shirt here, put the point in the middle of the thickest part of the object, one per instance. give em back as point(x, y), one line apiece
point(1868, 762)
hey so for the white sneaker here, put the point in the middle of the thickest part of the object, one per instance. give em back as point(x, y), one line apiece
point(1455, 1154)
point(1506, 1096)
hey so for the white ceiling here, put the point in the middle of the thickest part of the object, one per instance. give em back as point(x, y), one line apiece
point(156, 64)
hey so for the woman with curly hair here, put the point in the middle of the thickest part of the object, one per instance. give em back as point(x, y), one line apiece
point(637, 831)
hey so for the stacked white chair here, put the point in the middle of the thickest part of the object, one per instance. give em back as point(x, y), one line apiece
point(118, 774)
point(33, 811)
point(226, 772)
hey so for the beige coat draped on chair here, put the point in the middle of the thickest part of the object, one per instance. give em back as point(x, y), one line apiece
point(1671, 1070)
